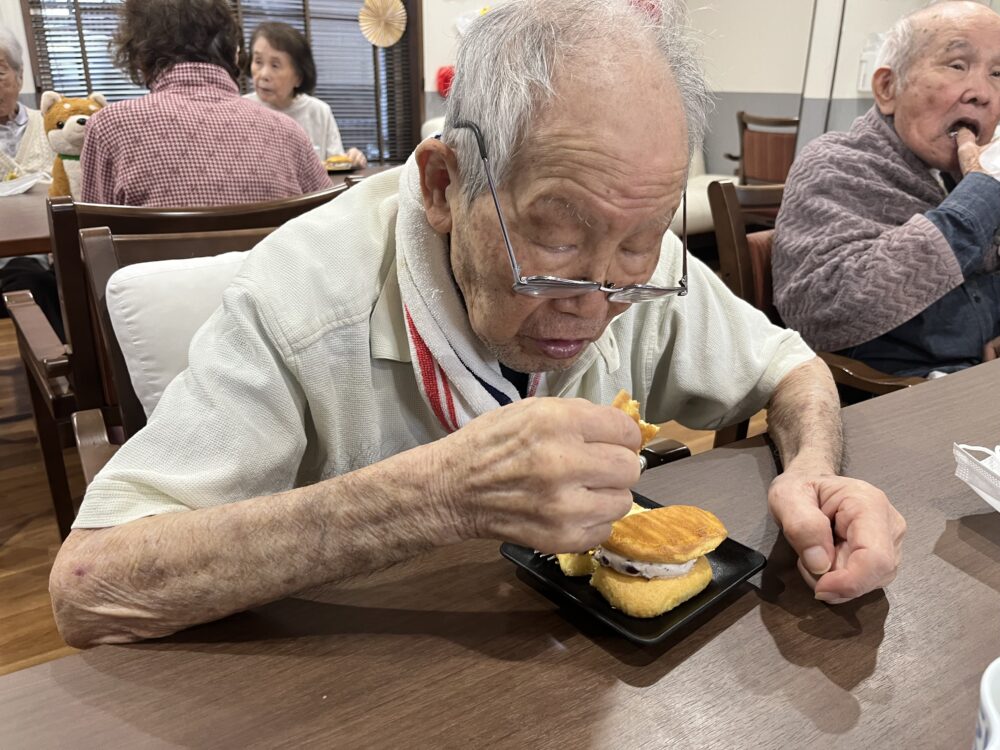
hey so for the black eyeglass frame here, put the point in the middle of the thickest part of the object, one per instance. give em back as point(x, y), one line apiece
point(559, 288)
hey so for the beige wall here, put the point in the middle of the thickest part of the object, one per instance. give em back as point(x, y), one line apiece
point(748, 45)
point(440, 36)
point(861, 19)
point(753, 45)
point(10, 17)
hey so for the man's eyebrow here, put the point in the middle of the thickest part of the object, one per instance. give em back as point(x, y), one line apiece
point(955, 44)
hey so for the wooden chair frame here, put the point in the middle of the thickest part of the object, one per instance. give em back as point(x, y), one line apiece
point(778, 133)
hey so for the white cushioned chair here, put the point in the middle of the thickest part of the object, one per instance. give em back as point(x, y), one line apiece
point(153, 327)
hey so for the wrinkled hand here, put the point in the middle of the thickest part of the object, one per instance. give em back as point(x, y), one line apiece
point(845, 531)
point(357, 158)
point(992, 350)
point(548, 473)
point(975, 158)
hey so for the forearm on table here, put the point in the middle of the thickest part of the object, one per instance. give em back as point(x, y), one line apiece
point(803, 419)
point(160, 574)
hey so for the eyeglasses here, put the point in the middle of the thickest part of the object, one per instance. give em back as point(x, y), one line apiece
point(560, 288)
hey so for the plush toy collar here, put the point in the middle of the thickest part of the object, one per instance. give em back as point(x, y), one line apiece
point(70, 157)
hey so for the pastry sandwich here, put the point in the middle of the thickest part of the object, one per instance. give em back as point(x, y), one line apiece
point(655, 560)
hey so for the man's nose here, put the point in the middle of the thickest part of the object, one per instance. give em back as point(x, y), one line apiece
point(592, 305)
point(980, 90)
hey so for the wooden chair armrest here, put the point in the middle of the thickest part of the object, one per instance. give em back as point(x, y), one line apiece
point(44, 346)
point(92, 442)
point(855, 374)
point(659, 451)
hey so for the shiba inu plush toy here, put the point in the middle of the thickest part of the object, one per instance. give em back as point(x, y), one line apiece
point(65, 124)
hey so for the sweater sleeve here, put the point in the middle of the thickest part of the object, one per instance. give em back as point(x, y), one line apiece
point(844, 273)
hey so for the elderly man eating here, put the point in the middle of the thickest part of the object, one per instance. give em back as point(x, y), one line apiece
point(885, 248)
point(428, 358)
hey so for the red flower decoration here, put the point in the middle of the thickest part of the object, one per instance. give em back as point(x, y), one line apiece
point(651, 8)
point(445, 75)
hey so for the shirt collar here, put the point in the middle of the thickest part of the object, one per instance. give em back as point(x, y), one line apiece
point(195, 75)
point(20, 117)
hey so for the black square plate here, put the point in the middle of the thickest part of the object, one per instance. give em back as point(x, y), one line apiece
point(732, 563)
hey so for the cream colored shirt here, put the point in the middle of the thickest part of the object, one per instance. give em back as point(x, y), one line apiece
point(304, 373)
point(316, 118)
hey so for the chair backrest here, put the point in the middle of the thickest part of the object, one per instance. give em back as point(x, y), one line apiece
point(67, 218)
point(166, 304)
point(745, 260)
point(767, 147)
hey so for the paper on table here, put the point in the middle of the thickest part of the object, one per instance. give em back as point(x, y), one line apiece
point(21, 184)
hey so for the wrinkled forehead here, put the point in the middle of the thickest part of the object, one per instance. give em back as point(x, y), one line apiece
point(975, 32)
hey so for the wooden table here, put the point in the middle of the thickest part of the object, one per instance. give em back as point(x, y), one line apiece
point(453, 650)
point(24, 224)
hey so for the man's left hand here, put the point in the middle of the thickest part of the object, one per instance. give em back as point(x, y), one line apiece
point(992, 350)
point(845, 531)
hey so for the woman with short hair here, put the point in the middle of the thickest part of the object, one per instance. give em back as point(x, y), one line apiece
point(284, 77)
point(193, 140)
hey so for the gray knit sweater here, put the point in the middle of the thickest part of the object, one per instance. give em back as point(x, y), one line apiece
point(854, 255)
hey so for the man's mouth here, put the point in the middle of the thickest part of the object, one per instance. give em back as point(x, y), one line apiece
point(964, 122)
point(561, 348)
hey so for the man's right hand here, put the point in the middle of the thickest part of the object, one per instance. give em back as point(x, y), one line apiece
point(549, 473)
point(974, 158)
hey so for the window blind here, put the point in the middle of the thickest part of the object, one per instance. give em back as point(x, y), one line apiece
point(71, 39)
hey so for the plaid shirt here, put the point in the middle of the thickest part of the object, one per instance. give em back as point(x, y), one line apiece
point(194, 141)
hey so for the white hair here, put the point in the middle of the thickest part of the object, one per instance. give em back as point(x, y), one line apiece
point(506, 62)
point(900, 47)
point(11, 49)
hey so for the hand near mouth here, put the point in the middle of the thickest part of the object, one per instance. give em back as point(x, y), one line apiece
point(969, 152)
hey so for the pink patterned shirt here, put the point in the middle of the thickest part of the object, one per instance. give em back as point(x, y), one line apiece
point(194, 141)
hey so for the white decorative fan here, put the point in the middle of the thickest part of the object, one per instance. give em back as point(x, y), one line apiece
point(382, 23)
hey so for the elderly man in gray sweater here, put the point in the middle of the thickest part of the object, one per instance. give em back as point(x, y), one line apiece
point(885, 248)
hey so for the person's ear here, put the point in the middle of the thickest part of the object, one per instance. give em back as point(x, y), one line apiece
point(884, 90)
point(438, 167)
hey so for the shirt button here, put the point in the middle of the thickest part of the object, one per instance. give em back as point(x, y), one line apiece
point(976, 298)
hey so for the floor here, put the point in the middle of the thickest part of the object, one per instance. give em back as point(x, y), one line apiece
point(28, 535)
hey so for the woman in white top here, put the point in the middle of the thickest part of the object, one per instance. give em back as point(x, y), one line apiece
point(284, 76)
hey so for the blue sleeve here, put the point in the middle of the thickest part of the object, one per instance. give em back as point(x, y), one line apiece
point(969, 218)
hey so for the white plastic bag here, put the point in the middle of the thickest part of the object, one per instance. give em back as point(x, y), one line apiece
point(982, 474)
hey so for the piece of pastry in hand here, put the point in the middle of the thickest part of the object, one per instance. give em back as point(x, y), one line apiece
point(630, 406)
point(584, 564)
point(656, 560)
